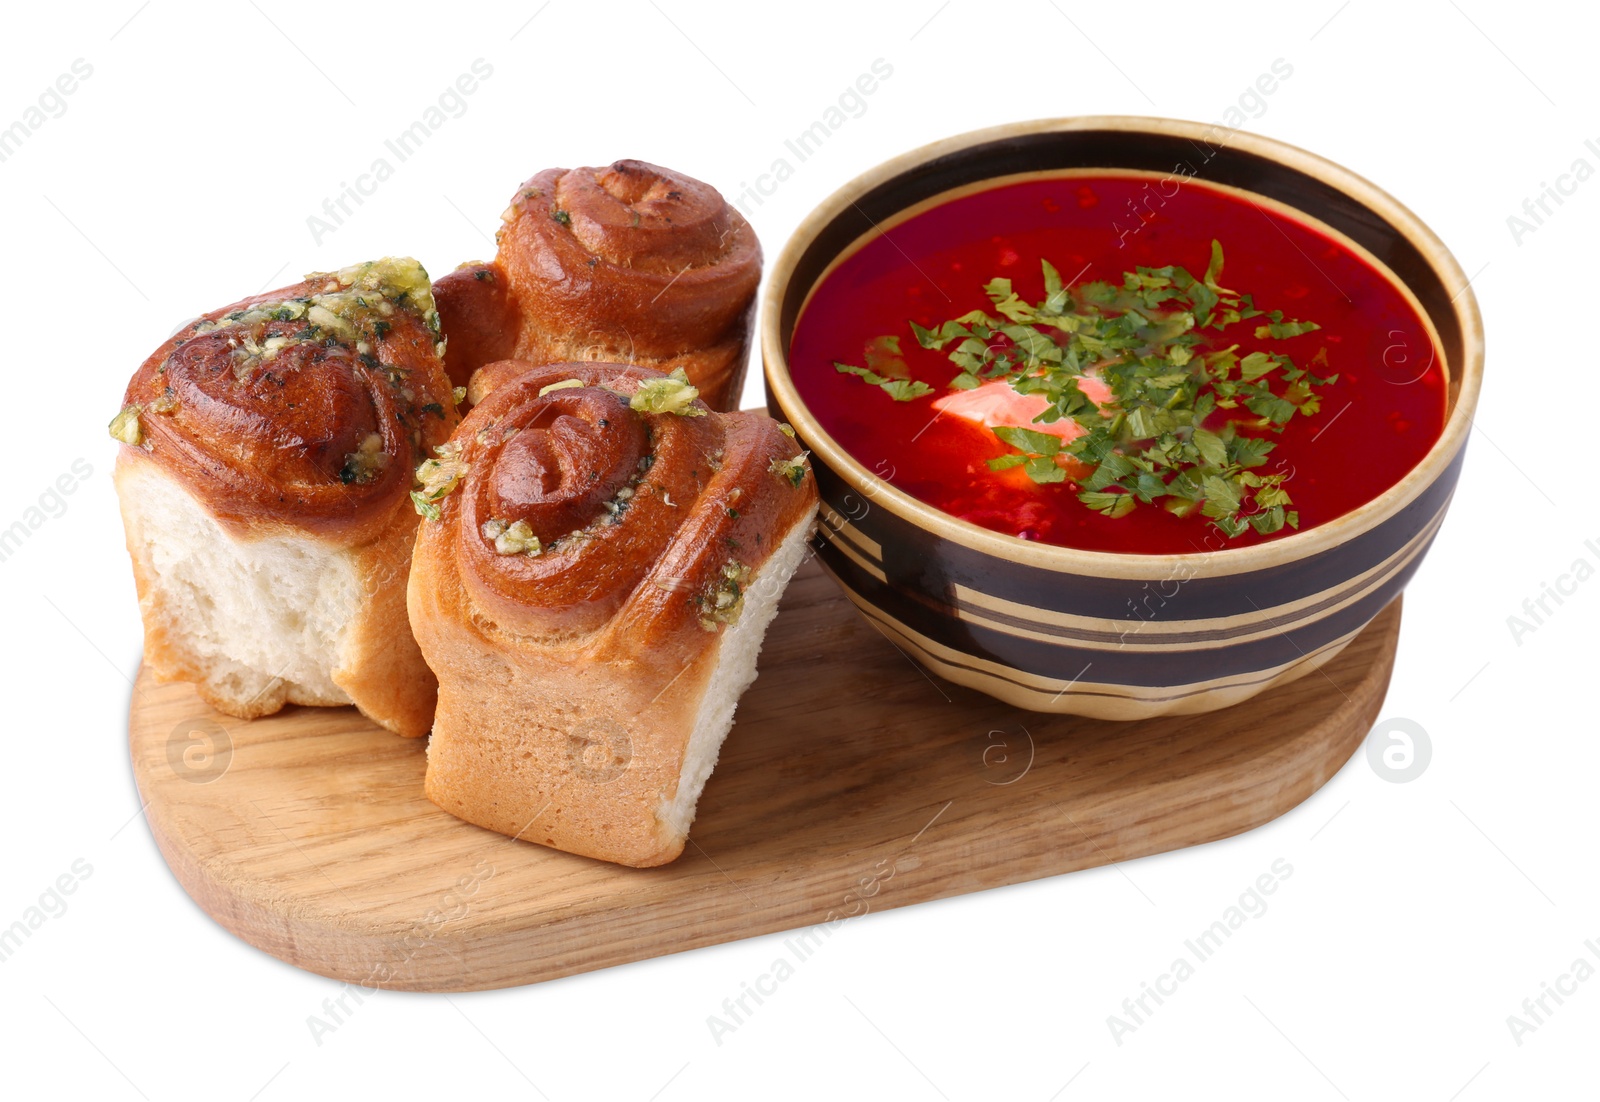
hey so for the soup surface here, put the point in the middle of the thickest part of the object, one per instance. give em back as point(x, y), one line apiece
point(1121, 362)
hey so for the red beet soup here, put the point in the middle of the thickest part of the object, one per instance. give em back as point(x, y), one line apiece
point(1121, 362)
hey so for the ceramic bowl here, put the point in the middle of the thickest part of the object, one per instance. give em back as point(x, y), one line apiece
point(1123, 636)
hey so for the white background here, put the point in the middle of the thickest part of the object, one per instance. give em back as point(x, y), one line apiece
point(1419, 915)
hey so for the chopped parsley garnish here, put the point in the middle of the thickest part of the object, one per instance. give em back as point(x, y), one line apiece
point(887, 371)
point(1179, 428)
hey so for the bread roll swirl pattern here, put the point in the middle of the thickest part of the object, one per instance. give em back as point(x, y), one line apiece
point(309, 406)
point(647, 238)
point(610, 498)
point(630, 263)
point(268, 452)
point(606, 556)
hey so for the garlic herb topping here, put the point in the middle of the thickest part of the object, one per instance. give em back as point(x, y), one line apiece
point(792, 471)
point(516, 538)
point(725, 601)
point(126, 428)
point(365, 463)
point(438, 477)
point(670, 395)
point(564, 384)
point(351, 303)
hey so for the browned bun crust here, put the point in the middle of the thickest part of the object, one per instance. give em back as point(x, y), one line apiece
point(266, 436)
point(267, 458)
point(632, 263)
point(484, 322)
point(615, 622)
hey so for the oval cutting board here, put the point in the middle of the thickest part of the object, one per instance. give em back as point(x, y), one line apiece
point(852, 782)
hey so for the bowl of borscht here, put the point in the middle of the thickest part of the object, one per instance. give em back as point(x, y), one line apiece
point(1122, 417)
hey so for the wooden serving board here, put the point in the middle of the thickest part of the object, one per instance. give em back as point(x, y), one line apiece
point(852, 782)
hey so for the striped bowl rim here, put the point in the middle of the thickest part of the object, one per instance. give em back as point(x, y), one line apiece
point(1468, 372)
